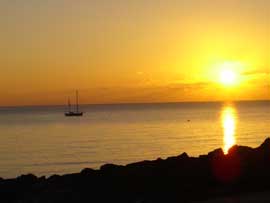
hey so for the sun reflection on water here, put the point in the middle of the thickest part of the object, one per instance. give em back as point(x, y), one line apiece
point(229, 119)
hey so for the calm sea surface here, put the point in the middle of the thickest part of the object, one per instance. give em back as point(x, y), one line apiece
point(41, 140)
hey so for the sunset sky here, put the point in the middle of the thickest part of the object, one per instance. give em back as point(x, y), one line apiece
point(133, 50)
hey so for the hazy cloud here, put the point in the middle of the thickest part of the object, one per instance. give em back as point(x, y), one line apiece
point(189, 86)
point(256, 72)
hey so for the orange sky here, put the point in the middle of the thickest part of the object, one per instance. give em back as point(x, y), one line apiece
point(133, 51)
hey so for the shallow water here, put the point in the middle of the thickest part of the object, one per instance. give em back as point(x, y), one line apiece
point(41, 140)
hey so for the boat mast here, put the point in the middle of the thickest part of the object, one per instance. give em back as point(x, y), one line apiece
point(69, 105)
point(77, 102)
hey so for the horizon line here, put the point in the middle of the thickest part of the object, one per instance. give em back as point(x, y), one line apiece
point(138, 103)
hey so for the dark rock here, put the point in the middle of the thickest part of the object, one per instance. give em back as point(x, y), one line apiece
point(42, 178)
point(159, 159)
point(175, 179)
point(183, 156)
point(87, 171)
point(27, 179)
point(265, 145)
point(217, 153)
point(54, 177)
point(109, 167)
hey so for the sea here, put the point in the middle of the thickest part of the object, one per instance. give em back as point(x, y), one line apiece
point(42, 141)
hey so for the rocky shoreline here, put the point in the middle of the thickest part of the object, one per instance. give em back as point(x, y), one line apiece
point(243, 170)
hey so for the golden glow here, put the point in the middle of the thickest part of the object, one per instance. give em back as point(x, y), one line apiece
point(229, 126)
point(168, 56)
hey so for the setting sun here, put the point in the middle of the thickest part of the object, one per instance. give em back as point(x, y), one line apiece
point(229, 72)
point(227, 77)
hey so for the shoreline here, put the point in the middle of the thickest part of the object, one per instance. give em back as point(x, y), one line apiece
point(244, 170)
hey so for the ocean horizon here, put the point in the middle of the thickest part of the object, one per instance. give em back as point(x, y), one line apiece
point(41, 140)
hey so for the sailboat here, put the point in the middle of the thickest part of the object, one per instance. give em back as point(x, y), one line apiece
point(77, 112)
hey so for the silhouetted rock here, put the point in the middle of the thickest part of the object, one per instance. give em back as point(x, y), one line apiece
point(217, 153)
point(87, 171)
point(27, 179)
point(54, 177)
point(265, 145)
point(175, 179)
point(108, 167)
point(42, 178)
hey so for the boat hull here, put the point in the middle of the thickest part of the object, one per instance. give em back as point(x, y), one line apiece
point(69, 114)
